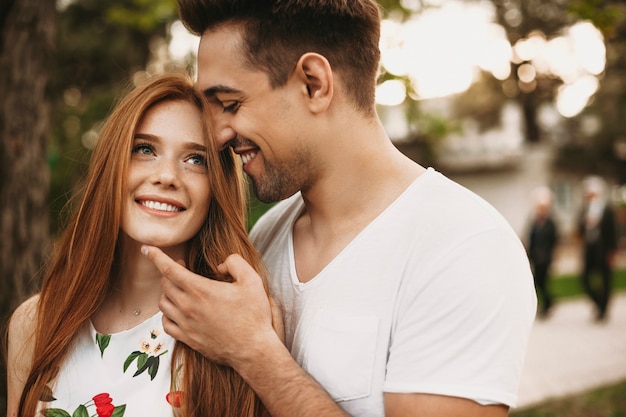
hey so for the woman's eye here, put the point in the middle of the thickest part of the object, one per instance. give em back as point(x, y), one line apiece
point(143, 149)
point(199, 160)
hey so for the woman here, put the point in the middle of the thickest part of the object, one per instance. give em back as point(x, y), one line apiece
point(92, 342)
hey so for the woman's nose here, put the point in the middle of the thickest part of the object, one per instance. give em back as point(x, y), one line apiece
point(167, 173)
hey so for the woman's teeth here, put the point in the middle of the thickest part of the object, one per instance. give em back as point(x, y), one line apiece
point(160, 206)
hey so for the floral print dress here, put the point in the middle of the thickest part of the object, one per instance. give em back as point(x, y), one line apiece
point(125, 374)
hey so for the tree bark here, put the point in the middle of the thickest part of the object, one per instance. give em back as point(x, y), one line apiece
point(27, 39)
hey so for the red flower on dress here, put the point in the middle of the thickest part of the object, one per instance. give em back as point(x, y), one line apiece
point(104, 406)
point(102, 399)
point(103, 403)
point(105, 410)
point(174, 398)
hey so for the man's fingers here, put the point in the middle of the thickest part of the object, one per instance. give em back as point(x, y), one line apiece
point(172, 328)
point(174, 295)
point(236, 267)
point(169, 268)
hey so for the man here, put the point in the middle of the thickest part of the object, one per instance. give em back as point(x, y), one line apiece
point(598, 232)
point(403, 293)
point(542, 241)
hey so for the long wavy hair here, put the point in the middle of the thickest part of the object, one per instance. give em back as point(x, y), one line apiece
point(83, 266)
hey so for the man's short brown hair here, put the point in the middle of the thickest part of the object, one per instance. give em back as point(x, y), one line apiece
point(277, 33)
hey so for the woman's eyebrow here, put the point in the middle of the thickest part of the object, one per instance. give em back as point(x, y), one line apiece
point(188, 145)
point(146, 136)
point(196, 146)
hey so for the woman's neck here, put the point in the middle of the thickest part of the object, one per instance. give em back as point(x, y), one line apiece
point(134, 296)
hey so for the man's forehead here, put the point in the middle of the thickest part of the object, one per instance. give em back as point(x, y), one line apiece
point(219, 59)
point(215, 77)
point(224, 38)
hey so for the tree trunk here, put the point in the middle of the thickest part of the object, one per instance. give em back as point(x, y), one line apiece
point(532, 131)
point(27, 38)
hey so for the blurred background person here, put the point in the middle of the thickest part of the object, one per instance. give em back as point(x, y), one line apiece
point(541, 242)
point(599, 239)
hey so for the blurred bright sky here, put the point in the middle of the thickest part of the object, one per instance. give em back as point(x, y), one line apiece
point(442, 50)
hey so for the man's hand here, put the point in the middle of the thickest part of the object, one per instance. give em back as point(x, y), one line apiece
point(231, 323)
point(224, 321)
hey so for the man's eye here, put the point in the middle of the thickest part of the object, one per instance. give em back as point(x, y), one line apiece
point(230, 106)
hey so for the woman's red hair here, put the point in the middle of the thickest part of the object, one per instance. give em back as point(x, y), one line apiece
point(83, 266)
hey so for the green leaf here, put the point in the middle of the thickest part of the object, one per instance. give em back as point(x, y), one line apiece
point(103, 342)
point(131, 358)
point(55, 412)
point(81, 411)
point(119, 411)
point(141, 369)
point(141, 360)
point(154, 367)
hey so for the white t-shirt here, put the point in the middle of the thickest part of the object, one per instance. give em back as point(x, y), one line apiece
point(433, 296)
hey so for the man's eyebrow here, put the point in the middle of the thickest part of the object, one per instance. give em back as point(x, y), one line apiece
point(216, 89)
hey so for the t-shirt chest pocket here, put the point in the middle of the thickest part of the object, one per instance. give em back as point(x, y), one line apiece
point(340, 351)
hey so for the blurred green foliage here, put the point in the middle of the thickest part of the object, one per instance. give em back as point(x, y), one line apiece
point(256, 209)
point(609, 401)
point(147, 16)
point(604, 14)
point(569, 286)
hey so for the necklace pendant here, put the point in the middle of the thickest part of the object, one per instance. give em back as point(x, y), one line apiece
point(136, 312)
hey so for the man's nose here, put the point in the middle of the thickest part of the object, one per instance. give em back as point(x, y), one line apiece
point(223, 131)
point(224, 136)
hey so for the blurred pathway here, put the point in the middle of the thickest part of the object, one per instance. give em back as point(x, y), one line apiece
point(569, 353)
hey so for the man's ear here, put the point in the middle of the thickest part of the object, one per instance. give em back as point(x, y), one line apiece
point(316, 75)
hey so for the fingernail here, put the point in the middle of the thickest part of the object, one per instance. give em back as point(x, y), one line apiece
point(144, 250)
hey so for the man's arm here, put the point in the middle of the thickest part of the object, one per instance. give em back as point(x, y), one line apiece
point(231, 323)
point(283, 386)
point(427, 405)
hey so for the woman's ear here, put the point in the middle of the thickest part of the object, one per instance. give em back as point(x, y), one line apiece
point(314, 72)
